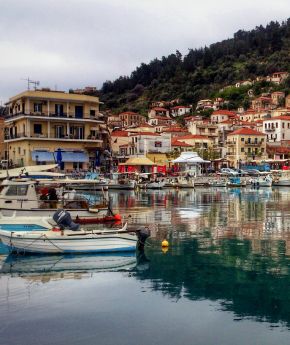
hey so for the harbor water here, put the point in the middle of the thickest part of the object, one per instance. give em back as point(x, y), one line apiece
point(224, 279)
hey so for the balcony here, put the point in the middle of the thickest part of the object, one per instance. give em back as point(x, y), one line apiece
point(37, 136)
point(230, 143)
point(86, 116)
point(253, 144)
point(272, 129)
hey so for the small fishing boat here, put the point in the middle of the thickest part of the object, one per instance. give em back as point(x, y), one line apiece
point(235, 181)
point(71, 241)
point(67, 237)
point(218, 183)
point(281, 178)
point(262, 181)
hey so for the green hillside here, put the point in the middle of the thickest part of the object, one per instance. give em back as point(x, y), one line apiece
point(203, 72)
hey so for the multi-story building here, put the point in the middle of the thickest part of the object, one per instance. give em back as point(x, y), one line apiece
point(278, 98)
point(39, 123)
point(262, 103)
point(2, 145)
point(180, 110)
point(146, 142)
point(277, 128)
point(222, 115)
point(158, 112)
point(278, 77)
point(204, 128)
point(131, 119)
point(245, 144)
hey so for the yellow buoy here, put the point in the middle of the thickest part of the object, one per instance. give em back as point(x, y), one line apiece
point(164, 250)
point(164, 244)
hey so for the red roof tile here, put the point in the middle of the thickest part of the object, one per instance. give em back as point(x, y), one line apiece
point(120, 134)
point(246, 131)
point(224, 112)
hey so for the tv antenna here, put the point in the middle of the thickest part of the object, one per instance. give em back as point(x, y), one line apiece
point(33, 82)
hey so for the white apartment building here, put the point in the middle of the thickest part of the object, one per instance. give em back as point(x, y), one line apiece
point(143, 143)
point(277, 129)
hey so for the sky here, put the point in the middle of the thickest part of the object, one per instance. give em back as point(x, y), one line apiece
point(67, 44)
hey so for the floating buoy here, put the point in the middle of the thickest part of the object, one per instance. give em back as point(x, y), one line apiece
point(164, 250)
point(164, 244)
point(117, 217)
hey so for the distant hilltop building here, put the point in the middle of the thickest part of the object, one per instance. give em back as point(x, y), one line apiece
point(87, 89)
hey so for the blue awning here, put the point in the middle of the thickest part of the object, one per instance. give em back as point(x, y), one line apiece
point(42, 156)
point(66, 156)
point(74, 156)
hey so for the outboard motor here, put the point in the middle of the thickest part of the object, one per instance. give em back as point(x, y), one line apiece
point(64, 221)
point(142, 235)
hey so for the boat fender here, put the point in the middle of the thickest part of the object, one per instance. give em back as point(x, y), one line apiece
point(117, 217)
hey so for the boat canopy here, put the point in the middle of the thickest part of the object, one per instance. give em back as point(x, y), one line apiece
point(189, 158)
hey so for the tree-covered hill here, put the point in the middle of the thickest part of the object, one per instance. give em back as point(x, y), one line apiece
point(204, 71)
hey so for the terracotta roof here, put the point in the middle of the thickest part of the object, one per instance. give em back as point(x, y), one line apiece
point(224, 112)
point(181, 107)
point(175, 142)
point(144, 133)
point(120, 134)
point(246, 131)
point(159, 109)
point(129, 113)
point(145, 125)
point(175, 129)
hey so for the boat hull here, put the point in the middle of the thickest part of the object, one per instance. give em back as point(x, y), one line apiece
point(50, 243)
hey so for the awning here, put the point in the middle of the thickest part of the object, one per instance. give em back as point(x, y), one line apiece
point(74, 156)
point(66, 156)
point(138, 161)
point(42, 156)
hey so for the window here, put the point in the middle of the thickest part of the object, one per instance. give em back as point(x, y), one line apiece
point(242, 139)
point(59, 131)
point(158, 144)
point(37, 128)
point(249, 140)
point(283, 124)
point(92, 112)
point(58, 109)
point(19, 150)
point(283, 136)
point(256, 140)
point(276, 124)
point(17, 190)
point(37, 107)
point(242, 149)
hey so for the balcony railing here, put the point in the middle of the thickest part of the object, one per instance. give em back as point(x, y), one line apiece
point(45, 136)
point(272, 129)
point(253, 144)
point(57, 115)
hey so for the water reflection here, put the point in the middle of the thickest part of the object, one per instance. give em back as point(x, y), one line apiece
point(227, 246)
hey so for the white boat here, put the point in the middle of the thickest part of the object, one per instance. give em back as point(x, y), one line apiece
point(122, 183)
point(184, 182)
point(281, 177)
point(25, 198)
point(70, 241)
point(218, 182)
point(261, 181)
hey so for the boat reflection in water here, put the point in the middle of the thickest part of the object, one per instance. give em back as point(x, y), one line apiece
point(50, 265)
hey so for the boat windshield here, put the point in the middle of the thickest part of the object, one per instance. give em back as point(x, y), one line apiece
point(17, 190)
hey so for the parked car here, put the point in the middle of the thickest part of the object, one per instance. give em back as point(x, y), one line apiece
point(4, 164)
point(229, 171)
point(253, 172)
